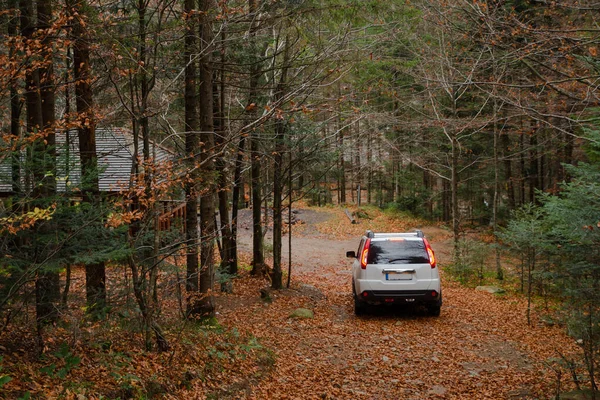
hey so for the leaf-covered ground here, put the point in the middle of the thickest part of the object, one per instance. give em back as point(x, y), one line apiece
point(480, 347)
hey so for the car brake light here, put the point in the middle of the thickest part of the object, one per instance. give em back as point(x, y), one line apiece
point(430, 253)
point(364, 255)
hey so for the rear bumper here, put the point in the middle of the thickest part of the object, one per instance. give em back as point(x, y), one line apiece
point(428, 297)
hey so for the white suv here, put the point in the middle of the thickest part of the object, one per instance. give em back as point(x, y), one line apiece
point(395, 268)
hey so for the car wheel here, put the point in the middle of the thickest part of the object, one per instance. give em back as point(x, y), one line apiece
point(435, 311)
point(360, 308)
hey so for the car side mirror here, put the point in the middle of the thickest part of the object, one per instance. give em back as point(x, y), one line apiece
point(350, 254)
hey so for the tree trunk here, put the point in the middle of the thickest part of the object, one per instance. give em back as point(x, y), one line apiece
point(258, 261)
point(290, 198)
point(192, 152)
point(221, 169)
point(47, 289)
point(341, 161)
point(533, 167)
point(48, 145)
point(95, 274)
point(508, 177)
point(357, 167)
point(496, 199)
point(15, 115)
point(454, 190)
point(369, 165)
point(522, 172)
point(278, 181)
point(235, 200)
point(567, 153)
point(207, 205)
point(227, 259)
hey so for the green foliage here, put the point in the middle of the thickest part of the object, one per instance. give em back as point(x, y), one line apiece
point(4, 379)
point(415, 204)
point(527, 229)
point(70, 362)
point(75, 234)
point(471, 267)
point(127, 382)
point(565, 229)
point(25, 396)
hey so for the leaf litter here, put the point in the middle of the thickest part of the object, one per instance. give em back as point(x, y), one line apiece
point(480, 347)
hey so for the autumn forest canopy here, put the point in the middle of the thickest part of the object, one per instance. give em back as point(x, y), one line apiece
point(135, 133)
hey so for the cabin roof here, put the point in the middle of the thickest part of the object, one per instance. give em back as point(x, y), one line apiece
point(114, 147)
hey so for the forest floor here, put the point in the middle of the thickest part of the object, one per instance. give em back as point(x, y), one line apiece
point(481, 347)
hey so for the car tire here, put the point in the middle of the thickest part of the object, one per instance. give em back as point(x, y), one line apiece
point(360, 308)
point(435, 311)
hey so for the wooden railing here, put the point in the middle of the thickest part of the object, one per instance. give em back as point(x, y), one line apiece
point(166, 220)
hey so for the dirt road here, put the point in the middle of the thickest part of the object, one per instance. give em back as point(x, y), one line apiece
point(480, 347)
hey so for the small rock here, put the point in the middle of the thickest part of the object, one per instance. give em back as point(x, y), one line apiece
point(302, 313)
point(490, 289)
point(385, 359)
point(435, 359)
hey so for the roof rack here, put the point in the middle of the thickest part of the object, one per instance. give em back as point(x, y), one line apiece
point(417, 233)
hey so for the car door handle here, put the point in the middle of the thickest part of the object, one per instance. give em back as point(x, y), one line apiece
point(398, 271)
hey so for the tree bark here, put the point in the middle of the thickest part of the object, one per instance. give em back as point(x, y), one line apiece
point(235, 199)
point(258, 261)
point(95, 274)
point(278, 181)
point(496, 199)
point(238, 185)
point(341, 161)
point(207, 204)
point(533, 167)
point(508, 176)
point(15, 114)
point(369, 165)
point(222, 171)
point(454, 190)
point(192, 144)
point(47, 289)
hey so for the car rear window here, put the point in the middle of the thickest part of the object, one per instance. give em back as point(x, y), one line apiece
point(397, 252)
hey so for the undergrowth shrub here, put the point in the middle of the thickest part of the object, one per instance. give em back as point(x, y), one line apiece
point(472, 265)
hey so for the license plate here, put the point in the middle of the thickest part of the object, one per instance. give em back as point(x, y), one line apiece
point(398, 277)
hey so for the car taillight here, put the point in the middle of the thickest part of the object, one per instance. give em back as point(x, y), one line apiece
point(429, 253)
point(365, 254)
